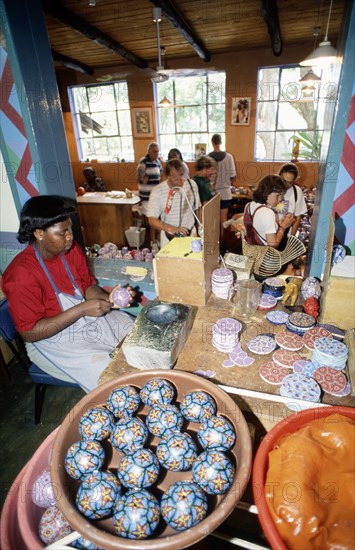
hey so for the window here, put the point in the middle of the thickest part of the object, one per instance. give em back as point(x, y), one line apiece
point(198, 112)
point(285, 112)
point(102, 121)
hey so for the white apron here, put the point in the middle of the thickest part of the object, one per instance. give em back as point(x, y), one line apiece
point(80, 352)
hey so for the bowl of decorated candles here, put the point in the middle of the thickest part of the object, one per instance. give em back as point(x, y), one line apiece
point(151, 460)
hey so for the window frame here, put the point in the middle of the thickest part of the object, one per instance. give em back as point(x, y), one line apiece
point(316, 130)
point(207, 135)
point(119, 135)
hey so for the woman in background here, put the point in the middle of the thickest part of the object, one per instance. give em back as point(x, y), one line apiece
point(205, 176)
point(63, 316)
point(176, 154)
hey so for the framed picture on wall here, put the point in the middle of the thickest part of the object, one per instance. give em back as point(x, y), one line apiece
point(240, 111)
point(142, 122)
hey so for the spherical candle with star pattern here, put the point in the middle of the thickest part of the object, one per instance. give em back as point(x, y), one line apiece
point(177, 451)
point(138, 470)
point(123, 401)
point(183, 505)
point(214, 472)
point(96, 424)
point(84, 457)
point(97, 495)
point(157, 391)
point(129, 435)
point(196, 406)
point(136, 514)
point(163, 419)
point(216, 433)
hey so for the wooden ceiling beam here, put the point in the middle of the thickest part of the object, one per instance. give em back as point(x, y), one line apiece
point(72, 63)
point(176, 20)
point(271, 18)
point(92, 33)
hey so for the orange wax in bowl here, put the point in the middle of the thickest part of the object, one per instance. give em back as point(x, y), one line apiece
point(303, 481)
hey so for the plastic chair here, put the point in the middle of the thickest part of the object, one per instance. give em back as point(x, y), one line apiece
point(38, 376)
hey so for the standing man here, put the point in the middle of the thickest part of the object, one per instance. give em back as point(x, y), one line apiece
point(226, 175)
point(293, 199)
point(149, 171)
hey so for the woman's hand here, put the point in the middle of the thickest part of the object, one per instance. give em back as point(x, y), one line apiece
point(95, 307)
point(132, 292)
point(286, 221)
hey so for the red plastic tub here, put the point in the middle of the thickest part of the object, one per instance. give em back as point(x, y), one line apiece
point(20, 516)
point(261, 463)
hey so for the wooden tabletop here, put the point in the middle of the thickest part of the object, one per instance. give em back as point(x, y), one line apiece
point(107, 197)
point(199, 354)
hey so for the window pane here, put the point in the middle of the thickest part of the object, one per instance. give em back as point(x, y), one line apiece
point(283, 145)
point(198, 112)
point(191, 119)
point(106, 124)
point(296, 115)
point(101, 98)
point(266, 113)
point(190, 90)
point(268, 84)
point(264, 149)
point(216, 117)
point(124, 121)
point(291, 116)
point(101, 122)
point(216, 88)
point(166, 119)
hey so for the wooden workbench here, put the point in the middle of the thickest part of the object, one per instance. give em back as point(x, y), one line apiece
point(105, 218)
point(198, 354)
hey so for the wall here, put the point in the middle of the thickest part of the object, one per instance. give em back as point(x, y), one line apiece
point(241, 80)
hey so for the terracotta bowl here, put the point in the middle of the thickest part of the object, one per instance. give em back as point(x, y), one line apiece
point(290, 424)
point(102, 532)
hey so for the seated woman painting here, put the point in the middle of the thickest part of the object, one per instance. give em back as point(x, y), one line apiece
point(262, 226)
point(65, 319)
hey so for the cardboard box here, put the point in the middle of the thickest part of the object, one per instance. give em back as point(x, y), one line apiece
point(184, 277)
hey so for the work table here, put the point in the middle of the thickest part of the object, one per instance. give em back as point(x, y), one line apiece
point(251, 391)
point(105, 216)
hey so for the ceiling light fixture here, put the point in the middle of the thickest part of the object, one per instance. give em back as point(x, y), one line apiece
point(325, 53)
point(165, 102)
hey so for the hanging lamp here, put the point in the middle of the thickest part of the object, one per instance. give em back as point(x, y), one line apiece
point(325, 53)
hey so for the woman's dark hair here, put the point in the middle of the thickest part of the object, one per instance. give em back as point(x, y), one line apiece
point(40, 213)
point(174, 151)
point(173, 163)
point(204, 162)
point(289, 167)
point(267, 185)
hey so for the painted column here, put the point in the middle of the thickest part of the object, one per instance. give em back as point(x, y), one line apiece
point(33, 140)
point(331, 170)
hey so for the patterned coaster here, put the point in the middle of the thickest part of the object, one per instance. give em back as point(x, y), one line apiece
point(307, 368)
point(273, 374)
point(298, 386)
point(301, 320)
point(330, 380)
point(313, 334)
point(262, 344)
point(277, 317)
point(331, 348)
point(285, 358)
point(336, 332)
point(342, 393)
point(275, 282)
point(267, 302)
point(287, 340)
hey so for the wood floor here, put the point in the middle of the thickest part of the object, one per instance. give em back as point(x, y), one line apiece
point(19, 435)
